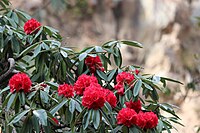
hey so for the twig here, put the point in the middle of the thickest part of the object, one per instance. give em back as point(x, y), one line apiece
point(12, 65)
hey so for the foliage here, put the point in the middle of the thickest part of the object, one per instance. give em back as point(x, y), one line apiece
point(50, 67)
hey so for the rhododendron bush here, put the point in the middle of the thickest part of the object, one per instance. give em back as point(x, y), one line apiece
point(45, 87)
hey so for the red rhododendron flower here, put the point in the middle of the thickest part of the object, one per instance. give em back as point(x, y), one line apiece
point(123, 78)
point(110, 98)
point(83, 82)
point(66, 90)
point(31, 25)
point(20, 81)
point(134, 105)
point(94, 63)
point(127, 117)
point(141, 121)
point(55, 120)
point(120, 88)
point(147, 120)
point(151, 120)
point(93, 97)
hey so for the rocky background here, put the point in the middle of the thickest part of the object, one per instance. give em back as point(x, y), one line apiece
point(168, 29)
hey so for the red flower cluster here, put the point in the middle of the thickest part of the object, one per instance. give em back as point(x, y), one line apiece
point(55, 120)
point(123, 78)
point(94, 63)
point(83, 82)
point(134, 105)
point(110, 98)
point(66, 90)
point(147, 120)
point(93, 97)
point(144, 120)
point(127, 117)
point(20, 81)
point(31, 25)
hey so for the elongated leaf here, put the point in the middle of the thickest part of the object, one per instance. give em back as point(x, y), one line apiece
point(59, 106)
point(102, 75)
point(4, 90)
point(86, 119)
point(172, 80)
point(82, 56)
point(41, 115)
point(96, 118)
point(64, 54)
point(44, 96)
point(22, 98)
point(132, 43)
point(27, 50)
point(108, 107)
point(23, 14)
point(117, 129)
point(112, 73)
point(35, 123)
point(72, 106)
point(137, 87)
point(133, 130)
point(106, 119)
point(19, 116)
point(52, 85)
point(11, 100)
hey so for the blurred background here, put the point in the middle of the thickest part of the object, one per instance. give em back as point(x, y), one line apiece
point(168, 29)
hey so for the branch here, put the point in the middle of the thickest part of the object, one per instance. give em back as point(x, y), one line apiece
point(12, 65)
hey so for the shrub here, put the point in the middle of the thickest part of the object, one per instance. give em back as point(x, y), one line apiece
point(49, 88)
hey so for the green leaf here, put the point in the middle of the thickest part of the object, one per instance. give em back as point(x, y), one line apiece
point(11, 101)
point(108, 107)
point(82, 56)
point(99, 49)
point(22, 98)
point(159, 126)
point(58, 107)
point(27, 50)
point(172, 80)
point(19, 116)
point(117, 57)
point(23, 14)
point(35, 123)
point(106, 119)
point(121, 100)
point(6, 2)
point(96, 118)
point(102, 75)
point(44, 96)
point(37, 50)
point(133, 130)
point(72, 106)
point(132, 43)
point(41, 115)
point(52, 85)
point(4, 90)
point(112, 73)
point(118, 128)
point(15, 17)
point(148, 86)
point(86, 119)
point(137, 87)
point(31, 94)
point(64, 54)
point(80, 67)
